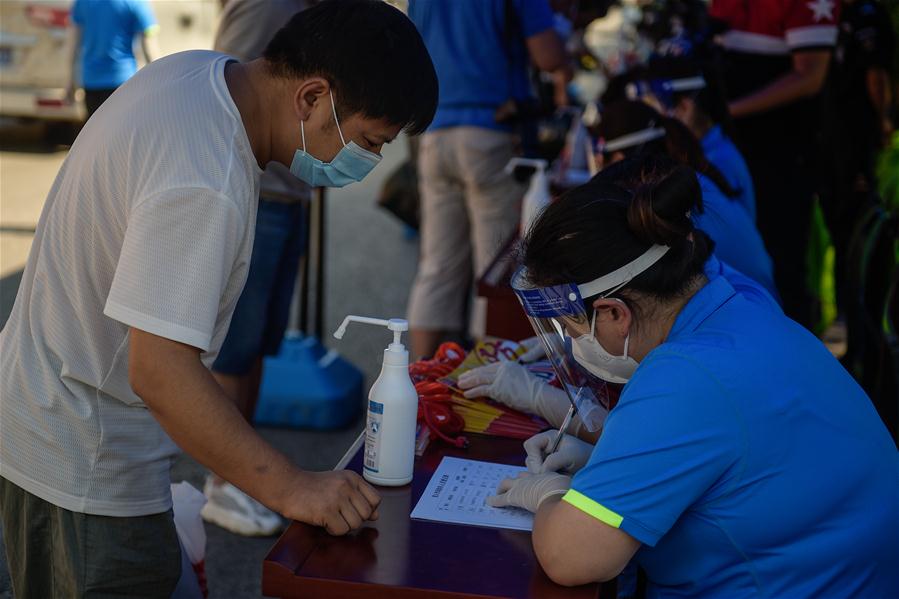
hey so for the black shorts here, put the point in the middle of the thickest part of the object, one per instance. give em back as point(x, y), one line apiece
point(53, 552)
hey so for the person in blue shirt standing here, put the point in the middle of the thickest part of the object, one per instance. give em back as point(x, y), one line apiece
point(104, 32)
point(741, 458)
point(469, 207)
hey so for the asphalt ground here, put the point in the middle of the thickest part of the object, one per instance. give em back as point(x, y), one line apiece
point(369, 266)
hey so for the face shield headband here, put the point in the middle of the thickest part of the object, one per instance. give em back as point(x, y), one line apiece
point(630, 140)
point(659, 93)
point(559, 314)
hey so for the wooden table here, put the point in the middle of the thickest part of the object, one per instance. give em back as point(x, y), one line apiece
point(399, 557)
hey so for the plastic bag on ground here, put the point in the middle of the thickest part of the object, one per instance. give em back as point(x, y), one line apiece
point(186, 505)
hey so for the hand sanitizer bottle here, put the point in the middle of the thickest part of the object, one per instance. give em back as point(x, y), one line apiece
point(537, 197)
point(392, 411)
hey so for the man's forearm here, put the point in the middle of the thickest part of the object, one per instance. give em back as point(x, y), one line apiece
point(184, 397)
point(561, 78)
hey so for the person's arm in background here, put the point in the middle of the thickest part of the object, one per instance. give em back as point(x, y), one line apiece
point(545, 47)
point(73, 47)
point(877, 42)
point(547, 52)
point(149, 44)
point(73, 43)
point(880, 93)
point(810, 32)
point(187, 402)
point(804, 80)
point(147, 28)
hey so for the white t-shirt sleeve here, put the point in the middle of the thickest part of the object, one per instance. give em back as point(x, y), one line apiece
point(178, 253)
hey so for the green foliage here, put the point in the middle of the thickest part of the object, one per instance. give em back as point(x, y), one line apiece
point(888, 173)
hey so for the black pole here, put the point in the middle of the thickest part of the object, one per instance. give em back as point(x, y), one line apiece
point(320, 267)
point(303, 316)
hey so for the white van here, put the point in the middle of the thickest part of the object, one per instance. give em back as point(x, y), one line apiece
point(34, 61)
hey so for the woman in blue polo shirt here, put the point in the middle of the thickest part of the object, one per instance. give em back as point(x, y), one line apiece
point(678, 86)
point(632, 128)
point(741, 459)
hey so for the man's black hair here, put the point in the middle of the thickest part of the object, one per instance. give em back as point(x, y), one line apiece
point(370, 53)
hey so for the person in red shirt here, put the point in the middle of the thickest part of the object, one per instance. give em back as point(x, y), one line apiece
point(777, 57)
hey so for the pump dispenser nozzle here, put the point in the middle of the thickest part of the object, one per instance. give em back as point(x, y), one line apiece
point(537, 163)
point(397, 325)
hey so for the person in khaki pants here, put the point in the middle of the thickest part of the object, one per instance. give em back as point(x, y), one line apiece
point(469, 205)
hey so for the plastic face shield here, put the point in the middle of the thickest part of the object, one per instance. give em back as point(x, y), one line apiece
point(558, 315)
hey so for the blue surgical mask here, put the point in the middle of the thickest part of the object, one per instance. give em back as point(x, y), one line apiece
point(350, 165)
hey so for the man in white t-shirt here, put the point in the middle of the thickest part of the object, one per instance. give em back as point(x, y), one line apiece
point(140, 254)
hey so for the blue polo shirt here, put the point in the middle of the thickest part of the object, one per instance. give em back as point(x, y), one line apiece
point(108, 29)
point(737, 240)
point(747, 461)
point(478, 66)
point(721, 152)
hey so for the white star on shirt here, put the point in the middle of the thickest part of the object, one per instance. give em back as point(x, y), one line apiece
point(823, 9)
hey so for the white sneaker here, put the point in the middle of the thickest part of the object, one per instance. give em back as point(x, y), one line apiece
point(235, 511)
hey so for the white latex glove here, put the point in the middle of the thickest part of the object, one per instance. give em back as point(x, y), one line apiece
point(528, 491)
point(535, 350)
point(511, 384)
point(571, 456)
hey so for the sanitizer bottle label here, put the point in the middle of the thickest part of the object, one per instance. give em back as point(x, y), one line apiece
point(373, 435)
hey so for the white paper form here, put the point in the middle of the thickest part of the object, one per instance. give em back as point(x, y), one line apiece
point(457, 494)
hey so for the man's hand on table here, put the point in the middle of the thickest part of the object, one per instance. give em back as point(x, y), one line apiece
point(187, 402)
point(338, 501)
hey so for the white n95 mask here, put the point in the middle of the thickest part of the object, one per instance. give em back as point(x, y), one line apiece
point(589, 353)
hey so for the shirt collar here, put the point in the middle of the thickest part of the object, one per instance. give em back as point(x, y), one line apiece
point(712, 138)
point(717, 292)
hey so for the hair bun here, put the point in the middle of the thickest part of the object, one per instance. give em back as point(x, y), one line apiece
point(664, 194)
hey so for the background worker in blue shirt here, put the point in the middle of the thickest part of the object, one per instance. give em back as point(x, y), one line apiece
point(482, 50)
point(695, 96)
point(741, 459)
point(633, 128)
point(104, 32)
